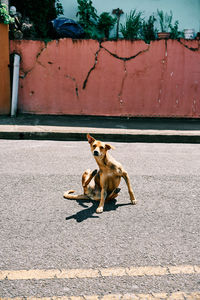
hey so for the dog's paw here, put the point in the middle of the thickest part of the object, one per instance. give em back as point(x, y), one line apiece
point(94, 172)
point(134, 201)
point(99, 210)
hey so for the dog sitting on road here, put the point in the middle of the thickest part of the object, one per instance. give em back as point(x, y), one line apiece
point(103, 184)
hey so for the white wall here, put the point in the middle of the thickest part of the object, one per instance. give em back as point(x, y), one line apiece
point(187, 12)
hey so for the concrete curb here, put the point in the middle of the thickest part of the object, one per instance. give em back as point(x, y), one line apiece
point(106, 134)
point(115, 129)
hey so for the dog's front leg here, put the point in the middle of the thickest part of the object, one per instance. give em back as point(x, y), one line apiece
point(102, 201)
point(127, 180)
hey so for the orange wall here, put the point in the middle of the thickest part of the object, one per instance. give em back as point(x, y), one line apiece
point(122, 78)
point(4, 70)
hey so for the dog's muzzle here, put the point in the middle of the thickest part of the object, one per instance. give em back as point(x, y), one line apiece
point(96, 153)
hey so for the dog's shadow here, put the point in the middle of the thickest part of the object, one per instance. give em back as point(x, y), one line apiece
point(89, 211)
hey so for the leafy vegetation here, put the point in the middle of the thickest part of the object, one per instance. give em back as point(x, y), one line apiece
point(95, 27)
point(174, 32)
point(148, 30)
point(5, 18)
point(39, 12)
point(165, 21)
point(131, 29)
point(88, 17)
point(105, 23)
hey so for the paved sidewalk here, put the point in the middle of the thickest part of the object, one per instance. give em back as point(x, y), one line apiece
point(118, 129)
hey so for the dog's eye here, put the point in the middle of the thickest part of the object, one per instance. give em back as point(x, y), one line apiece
point(94, 146)
point(101, 147)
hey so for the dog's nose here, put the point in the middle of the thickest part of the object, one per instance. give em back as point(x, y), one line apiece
point(96, 153)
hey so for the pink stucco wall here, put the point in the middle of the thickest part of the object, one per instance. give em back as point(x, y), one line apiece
point(122, 78)
point(4, 70)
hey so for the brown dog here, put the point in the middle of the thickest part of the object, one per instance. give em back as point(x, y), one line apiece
point(103, 184)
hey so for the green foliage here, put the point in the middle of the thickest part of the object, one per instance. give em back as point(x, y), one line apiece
point(39, 12)
point(92, 32)
point(174, 32)
point(131, 29)
point(105, 23)
point(59, 8)
point(95, 27)
point(42, 12)
point(165, 20)
point(148, 29)
point(87, 17)
point(5, 18)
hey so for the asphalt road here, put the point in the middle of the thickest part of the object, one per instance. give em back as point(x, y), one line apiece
point(40, 230)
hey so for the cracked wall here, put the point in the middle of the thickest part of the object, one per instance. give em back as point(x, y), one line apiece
point(4, 71)
point(122, 78)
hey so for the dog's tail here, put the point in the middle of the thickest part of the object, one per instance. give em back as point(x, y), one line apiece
point(68, 195)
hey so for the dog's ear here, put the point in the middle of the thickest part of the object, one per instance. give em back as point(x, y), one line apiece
point(90, 138)
point(108, 147)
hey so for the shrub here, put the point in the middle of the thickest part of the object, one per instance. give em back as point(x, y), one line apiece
point(87, 18)
point(105, 23)
point(40, 13)
point(5, 18)
point(165, 20)
point(148, 30)
point(132, 27)
point(174, 32)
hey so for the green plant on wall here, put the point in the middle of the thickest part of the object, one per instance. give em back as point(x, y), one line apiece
point(148, 29)
point(174, 31)
point(88, 17)
point(165, 20)
point(39, 12)
point(5, 18)
point(132, 27)
point(105, 23)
